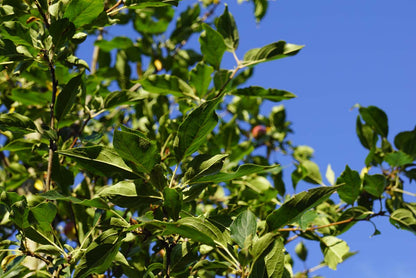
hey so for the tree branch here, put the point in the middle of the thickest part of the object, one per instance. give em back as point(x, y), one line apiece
point(52, 143)
point(318, 227)
point(96, 52)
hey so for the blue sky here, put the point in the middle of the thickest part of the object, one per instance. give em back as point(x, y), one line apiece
point(355, 52)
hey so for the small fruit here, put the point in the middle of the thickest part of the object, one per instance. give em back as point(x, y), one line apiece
point(258, 131)
point(69, 230)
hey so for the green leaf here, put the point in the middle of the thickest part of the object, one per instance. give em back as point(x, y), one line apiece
point(200, 78)
point(137, 149)
point(273, 51)
point(166, 84)
point(61, 31)
point(350, 191)
point(193, 131)
point(243, 170)
point(259, 184)
point(375, 184)
point(30, 97)
point(270, 94)
point(243, 226)
point(275, 260)
point(100, 254)
point(158, 178)
point(16, 123)
point(153, 20)
point(398, 159)
point(66, 98)
point(335, 251)
point(212, 46)
point(405, 141)
point(124, 97)
point(44, 213)
point(306, 219)
point(19, 145)
point(297, 205)
point(172, 202)
point(130, 194)
point(204, 165)
point(199, 230)
point(82, 12)
point(376, 119)
point(140, 4)
point(301, 251)
point(404, 219)
point(226, 26)
point(96, 202)
point(115, 43)
point(261, 245)
point(358, 213)
point(365, 133)
point(260, 9)
point(182, 255)
point(100, 160)
point(312, 173)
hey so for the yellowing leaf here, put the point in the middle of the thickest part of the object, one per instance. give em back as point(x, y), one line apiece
point(38, 185)
point(158, 64)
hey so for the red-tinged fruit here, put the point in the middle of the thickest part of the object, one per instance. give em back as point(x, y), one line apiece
point(258, 131)
point(69, 230)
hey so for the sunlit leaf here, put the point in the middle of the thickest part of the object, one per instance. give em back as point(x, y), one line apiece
point(297, 205)
point(270, 52)
point(100, 160)
point(243, 170)
point(227, 27)
point(335, 250)
point(212, 46)
point(194, 129)
point(243, 226)
point(82, 12)
point(166, 84)
point(136, 148)
point(130, 194)
point(270, 94)
point(397, 159)
point(15, 122)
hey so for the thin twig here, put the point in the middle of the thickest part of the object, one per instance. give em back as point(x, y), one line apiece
point(80, 131)
point(119, 2)
point(96, 51)
point(45, 18)
point(403, 191)
point(318, 227)
point(203, 19)
point(173, 176)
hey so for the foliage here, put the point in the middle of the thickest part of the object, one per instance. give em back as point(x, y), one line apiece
point(160, 175)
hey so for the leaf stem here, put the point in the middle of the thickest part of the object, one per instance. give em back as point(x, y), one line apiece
point(173, 176)
point(96, 52)
point(403, 191)
point(119, 2)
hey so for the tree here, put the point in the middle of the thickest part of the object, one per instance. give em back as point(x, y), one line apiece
point(169, 174)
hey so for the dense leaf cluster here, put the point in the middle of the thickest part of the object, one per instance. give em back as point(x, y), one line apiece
point(155, 161)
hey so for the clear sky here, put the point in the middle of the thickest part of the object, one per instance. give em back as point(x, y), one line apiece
point(356, 51)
